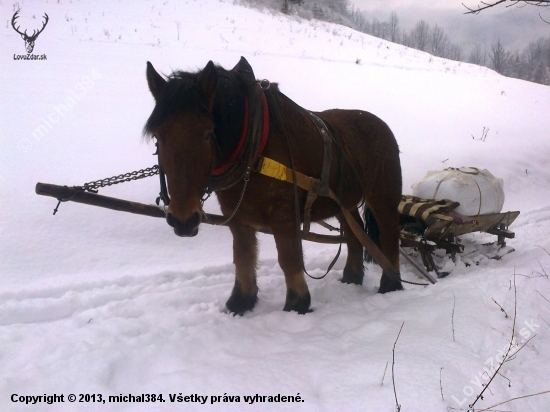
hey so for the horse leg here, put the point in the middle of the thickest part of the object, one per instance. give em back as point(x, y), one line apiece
point(388, 223)
point(245, 256)
point(291, 262)
point(354, 269)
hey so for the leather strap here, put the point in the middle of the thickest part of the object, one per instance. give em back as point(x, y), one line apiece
point(327, 141)
point(276, 170)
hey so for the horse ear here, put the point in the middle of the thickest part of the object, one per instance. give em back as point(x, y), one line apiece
point(155, 81)
point(245, 69)
point(208, 82)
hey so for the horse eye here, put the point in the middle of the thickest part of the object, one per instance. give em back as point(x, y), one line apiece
point(209, 135)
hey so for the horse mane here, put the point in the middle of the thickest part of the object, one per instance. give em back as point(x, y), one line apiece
point(182, 92)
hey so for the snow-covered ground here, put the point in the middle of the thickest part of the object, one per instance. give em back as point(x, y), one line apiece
point(98, 302)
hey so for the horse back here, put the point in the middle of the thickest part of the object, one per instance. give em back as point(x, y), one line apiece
point(372, 149)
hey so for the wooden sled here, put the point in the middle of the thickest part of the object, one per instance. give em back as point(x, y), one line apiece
point(427, 225)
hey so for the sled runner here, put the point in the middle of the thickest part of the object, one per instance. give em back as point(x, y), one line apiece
point(427, 225)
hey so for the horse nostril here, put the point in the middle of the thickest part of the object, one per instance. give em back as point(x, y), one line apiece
point(184, 228)
point(195, 220)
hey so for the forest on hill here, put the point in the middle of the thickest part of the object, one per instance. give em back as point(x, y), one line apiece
point(532, 63)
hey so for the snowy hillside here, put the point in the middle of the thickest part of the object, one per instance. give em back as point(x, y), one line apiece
point(98, 302)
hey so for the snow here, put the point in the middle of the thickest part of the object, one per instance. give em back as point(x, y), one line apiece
point(98, 302)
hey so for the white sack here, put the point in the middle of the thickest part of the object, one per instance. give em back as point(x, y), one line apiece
point(477, 191)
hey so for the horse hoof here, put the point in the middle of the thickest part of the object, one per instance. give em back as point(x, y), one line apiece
point(238, 304)
point(389, 286)
point(297, 303)
point(390, 282)
point(352, 277)
point(300, 311)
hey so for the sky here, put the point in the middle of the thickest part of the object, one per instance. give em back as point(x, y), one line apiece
point(515, 26)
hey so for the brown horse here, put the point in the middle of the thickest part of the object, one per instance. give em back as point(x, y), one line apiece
point(199, 120)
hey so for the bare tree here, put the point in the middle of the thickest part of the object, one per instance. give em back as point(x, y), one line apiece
point(478, 55)
point(541, 73)
point(439, 42)
point(517, 67)
point(357, 17)
point(284, 8)
point(532, 63)
point(379, 29)
point(340, 6)
point(499, 57)
point(421, 35)
point(406, 40)
point(393, 27)
point(455, 52)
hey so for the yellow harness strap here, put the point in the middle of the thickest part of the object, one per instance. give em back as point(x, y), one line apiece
point(279, 171)
point(272, 168)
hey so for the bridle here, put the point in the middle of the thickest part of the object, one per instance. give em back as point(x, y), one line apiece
point(163, 194)
point(239, 164)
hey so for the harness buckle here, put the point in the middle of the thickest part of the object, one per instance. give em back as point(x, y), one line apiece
point(257, 166)
point(264, 84)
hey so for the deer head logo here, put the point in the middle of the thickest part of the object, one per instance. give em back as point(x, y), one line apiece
point(29, 40)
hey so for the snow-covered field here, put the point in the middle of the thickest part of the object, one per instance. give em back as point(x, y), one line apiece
point(98, 302)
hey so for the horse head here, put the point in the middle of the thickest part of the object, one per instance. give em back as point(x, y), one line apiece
point(183, 125)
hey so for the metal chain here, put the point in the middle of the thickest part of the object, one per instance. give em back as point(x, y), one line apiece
point(96, 184)
point(126, 177)
point(246, 179)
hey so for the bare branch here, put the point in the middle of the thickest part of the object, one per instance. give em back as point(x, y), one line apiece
point(480, 8)
point(548, 253)
point(486, 5)
point(440, 385)
point(501, 308)
point(392, 365)
point(544, 320)
point(450, 408)
point(544, 271)
point(384, 375)
point(513, 399)
point(506, 356)
point(453, 316)
point(542, 296)
point(513, 355)
point(509, 381)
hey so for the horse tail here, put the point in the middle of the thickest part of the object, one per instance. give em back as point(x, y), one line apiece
point(371, 228)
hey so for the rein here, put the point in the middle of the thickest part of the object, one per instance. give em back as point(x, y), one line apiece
point(298, 179)
point(251, 127)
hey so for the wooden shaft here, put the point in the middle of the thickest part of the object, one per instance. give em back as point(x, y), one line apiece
point(276, 170)
point(417, 266)
point(317, 238)
point(66, 193)
point(367, 242)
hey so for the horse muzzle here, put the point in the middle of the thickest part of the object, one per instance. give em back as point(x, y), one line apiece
point(187, 228)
